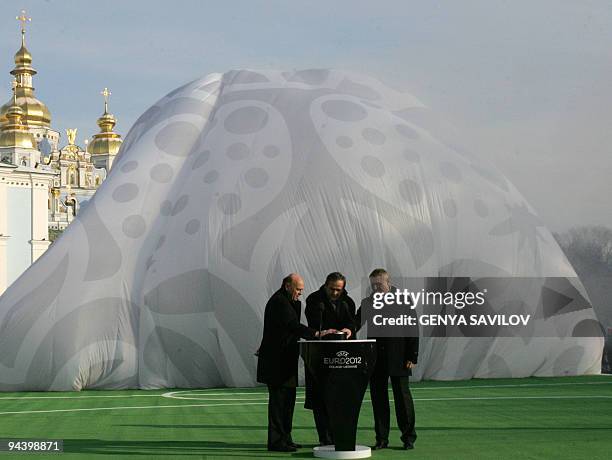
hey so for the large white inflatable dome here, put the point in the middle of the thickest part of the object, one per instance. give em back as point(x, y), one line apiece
point(230, 182)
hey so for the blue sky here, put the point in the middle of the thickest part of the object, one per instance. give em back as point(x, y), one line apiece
point(527, 84)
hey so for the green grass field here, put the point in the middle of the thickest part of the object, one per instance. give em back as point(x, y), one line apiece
point(568, 417)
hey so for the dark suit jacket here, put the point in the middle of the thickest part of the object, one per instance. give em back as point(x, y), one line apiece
point(392, 352)
point(343, 316)
point(279, 351)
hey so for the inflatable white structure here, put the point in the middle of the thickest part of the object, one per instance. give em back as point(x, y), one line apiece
point(230, 182)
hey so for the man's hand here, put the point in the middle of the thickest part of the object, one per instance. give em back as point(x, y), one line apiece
point(347, 332)
point(409, 365)
point(325, 332)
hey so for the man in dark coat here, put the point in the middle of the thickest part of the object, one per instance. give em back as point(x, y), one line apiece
point(328, 308)
point(277, 365)
point(396, 357)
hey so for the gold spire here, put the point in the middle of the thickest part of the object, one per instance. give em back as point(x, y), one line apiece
point(106, 93)
point(106, 141)
point(23, 58)
point(14, 133)
point(35, 112)
point(24, 20)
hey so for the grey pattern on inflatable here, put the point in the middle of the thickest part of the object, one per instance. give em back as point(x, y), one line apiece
point(234, 180)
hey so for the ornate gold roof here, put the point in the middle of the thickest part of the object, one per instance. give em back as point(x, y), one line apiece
point(106, 141)
point(35, 113)
point(14, 133)
point(23, 58)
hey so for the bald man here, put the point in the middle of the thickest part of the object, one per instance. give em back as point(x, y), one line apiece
point(277, 365)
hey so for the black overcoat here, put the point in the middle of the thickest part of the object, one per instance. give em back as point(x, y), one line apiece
point(277, 362)
point(319, 307)
point(321, 314)
point(392, 352)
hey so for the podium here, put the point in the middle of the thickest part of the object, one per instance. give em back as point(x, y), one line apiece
point(342, 368)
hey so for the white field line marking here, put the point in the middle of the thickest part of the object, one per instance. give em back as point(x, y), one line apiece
point(300, 390)
point(509, 385)
point(447, 387)
point(78, 397)
point(265, 403)
point(520, 385)
point(204, 397)
point(516, 397)
point(126, 408)
point(159, 395)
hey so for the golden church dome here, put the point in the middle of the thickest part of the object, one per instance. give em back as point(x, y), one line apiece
point(106, 141)
point(23, 57)
point(35, 113)
point(106, 145)
point(13, 132)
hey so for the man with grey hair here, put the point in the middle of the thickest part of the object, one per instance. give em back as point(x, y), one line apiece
point(277, 365)
point(396, 357)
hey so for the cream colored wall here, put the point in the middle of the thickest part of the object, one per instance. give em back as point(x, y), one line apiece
point(3, 234)
point(38, 185)
point(40, 215)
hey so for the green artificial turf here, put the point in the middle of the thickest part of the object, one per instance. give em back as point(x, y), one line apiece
point(569, 417)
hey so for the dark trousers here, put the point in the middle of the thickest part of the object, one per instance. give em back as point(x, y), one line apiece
point(281, 402)
point(315, 400)
point(404, 407)
point(322, 422)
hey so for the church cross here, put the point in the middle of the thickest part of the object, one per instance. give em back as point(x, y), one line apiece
point(106, 93)
point(23, 19)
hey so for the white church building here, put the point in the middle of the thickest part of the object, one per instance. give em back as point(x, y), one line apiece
point(42, 186)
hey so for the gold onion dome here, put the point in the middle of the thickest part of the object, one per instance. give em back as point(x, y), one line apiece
point(23, 59)
point(35, 112)
point(106, 141)
point(14, 133)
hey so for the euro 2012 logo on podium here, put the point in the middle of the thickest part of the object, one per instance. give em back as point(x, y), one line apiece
point(342, 360)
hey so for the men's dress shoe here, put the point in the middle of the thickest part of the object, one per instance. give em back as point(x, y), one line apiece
point(285, 448)
point(381, 445)
point(296, 445)
point(408, 446)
